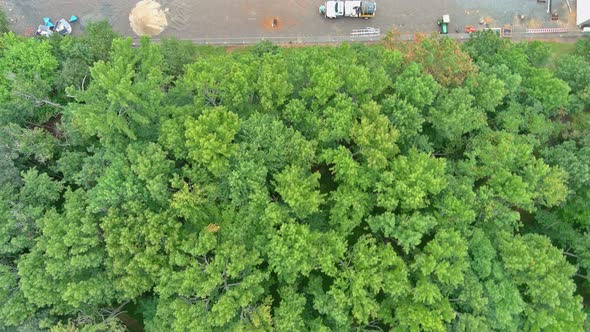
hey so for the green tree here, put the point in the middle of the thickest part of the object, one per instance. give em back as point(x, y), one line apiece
point(177, 54)
point(513, 174)
point(299, 190)
point(410, 181)
point(574, 70)
point(405, 117)
point(132, 83)
point(77, 54)
point(541, 86)
point(488, 89)
point(435, 187)
point(415, 87)
point(352, 298)
point(375, 137)
point(272, 84)
point(537, 52)
point(534, 263)
point(27, 70)
point(583, 47)
point(454, 115)
point(65, 269)
point(209, 139)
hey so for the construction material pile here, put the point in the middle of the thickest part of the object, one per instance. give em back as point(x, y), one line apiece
point(148, 18)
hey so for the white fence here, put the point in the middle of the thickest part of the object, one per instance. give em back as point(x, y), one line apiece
point(547, 30)
point(366, 32)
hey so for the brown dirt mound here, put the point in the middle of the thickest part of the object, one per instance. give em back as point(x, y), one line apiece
point(148, 18)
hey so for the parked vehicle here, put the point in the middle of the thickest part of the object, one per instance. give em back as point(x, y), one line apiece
point(444, 24)
point(62, 27)
point(349, 8)
point(44, 31)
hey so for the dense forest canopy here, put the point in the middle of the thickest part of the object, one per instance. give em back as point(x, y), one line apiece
point(428, 186)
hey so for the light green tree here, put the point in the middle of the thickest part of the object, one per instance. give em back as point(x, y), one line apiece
point(209, 139)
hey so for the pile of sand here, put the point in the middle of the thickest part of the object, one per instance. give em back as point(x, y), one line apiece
point(147, 18)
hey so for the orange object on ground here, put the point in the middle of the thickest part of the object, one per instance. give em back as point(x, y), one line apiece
point(470, 29)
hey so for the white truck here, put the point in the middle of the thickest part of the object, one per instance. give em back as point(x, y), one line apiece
point(349, 8)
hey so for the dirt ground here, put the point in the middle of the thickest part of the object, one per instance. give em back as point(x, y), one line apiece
point(199, 19)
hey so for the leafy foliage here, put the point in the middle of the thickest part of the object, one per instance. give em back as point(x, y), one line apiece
point(435, 187)
point(442, 58)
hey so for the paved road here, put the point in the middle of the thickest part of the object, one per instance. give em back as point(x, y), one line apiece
point(247, 19)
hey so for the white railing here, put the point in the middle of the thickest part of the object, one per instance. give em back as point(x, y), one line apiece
point(366, 32)
point(547, 30)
